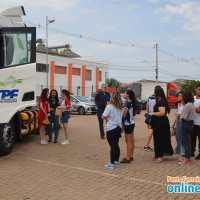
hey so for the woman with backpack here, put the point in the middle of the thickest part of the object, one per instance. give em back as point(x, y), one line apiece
point(130, 109)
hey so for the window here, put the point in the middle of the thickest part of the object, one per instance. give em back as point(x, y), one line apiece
point(17, 46)
point(88, 75)
point(42, 67)
point(60, 70)
point(100, 76)
point(173, 93)
point(76, 71)
point(106, 75)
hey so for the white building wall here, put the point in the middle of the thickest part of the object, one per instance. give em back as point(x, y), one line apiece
point(61, 80)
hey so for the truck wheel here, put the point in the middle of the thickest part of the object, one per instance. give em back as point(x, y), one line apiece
point(7, 138)
point(81, 111)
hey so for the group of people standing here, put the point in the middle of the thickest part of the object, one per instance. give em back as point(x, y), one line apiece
point(117, 116)
point(120, 117)
point(187, 123)
point(48, 103)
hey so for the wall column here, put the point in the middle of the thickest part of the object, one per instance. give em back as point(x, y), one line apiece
point(70, 77)
point(97, 78)
point(83, 79)
point(52, 74)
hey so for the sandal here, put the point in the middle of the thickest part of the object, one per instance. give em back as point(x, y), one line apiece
point(159, 161)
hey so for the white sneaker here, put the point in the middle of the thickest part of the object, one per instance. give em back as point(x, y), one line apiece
point(64, 142)
point(43, 142)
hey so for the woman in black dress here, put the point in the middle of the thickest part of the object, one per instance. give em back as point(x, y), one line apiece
point(160, 126)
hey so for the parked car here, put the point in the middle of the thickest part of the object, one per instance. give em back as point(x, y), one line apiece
point(143, 104)
point(82, 105)
point(61, 99)
point(92, 96)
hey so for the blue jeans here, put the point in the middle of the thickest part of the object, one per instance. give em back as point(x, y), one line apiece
point(54, 125)
point(99, 114)
point(179, 147)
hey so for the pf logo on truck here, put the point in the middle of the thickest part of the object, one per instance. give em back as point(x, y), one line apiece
point(9, 96)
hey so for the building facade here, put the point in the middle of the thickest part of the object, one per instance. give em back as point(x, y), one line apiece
point(80, 75)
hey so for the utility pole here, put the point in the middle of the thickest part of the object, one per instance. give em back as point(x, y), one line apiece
point(156, 62)
point(47, 62)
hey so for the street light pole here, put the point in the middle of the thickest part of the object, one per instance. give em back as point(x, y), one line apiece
point(47, 62)
point(47, 70)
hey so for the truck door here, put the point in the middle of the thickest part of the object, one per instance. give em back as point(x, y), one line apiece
point(17, 70)
point(172, 97)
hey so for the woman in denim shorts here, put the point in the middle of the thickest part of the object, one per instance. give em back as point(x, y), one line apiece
point(65, 106)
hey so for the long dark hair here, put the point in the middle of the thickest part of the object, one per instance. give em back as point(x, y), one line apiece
point(131, 95)
point(159, 93)
point(188, 97)
point(56, 97)
point(44, 94)
point(67, 94)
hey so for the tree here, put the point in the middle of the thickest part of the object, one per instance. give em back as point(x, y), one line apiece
point(113, 83)
point(190, 85)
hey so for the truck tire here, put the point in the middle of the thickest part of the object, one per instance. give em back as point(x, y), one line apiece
point(81, 111)
point(7, 138)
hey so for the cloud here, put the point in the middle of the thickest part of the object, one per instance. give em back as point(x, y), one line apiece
point(189, 11)
point(57, 5)
point(131, 7)
point(179, 39)
point(153, 1)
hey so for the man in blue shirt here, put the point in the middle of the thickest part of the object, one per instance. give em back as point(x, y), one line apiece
point(101, 100)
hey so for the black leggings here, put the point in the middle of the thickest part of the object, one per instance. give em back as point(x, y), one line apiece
point(113, 140)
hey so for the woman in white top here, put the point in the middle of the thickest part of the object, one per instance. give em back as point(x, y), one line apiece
point(179, 148)
point(113, 115)
point(65, 106)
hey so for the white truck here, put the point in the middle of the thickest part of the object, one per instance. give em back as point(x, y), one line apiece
point(17, 78)
point(144, 89)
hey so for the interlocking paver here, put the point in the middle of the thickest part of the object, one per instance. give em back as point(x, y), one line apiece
point(77, 171)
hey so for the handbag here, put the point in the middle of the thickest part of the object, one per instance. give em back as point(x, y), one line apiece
point(147, 119)
point(173, 131)
point(46, 121)
point(58, 112)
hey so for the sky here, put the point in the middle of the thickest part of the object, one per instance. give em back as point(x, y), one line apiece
point(125, 33)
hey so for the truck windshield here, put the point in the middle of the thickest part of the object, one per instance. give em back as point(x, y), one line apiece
point(15, 48)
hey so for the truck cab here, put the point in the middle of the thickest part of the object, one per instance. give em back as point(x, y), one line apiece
point(172, 93)
point(17, 74)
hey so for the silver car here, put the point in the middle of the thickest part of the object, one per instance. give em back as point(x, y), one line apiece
point(82, 105)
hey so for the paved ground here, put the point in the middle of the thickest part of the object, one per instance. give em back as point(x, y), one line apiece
point(77, 171)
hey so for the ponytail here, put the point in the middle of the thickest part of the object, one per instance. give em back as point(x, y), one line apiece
point(133, 100)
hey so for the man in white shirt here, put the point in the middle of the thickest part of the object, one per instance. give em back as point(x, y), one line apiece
point(196, 130)
point(150, 106)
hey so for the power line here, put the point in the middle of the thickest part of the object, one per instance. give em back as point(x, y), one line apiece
point(178, 58)
point(85, 37)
